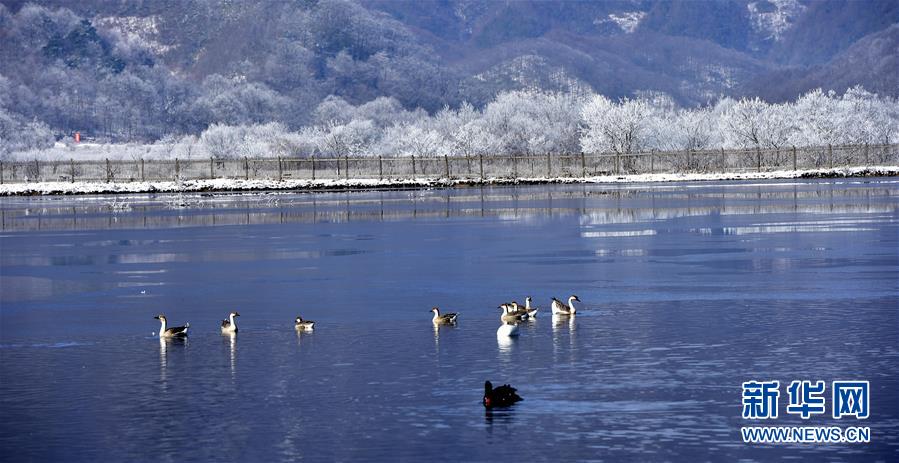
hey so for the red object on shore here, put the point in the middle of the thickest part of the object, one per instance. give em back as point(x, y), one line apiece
point(77, 137)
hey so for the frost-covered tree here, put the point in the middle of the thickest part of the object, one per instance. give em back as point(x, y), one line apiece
point(820, 119)
point(350, 139)
point(534, 122)
point(753, 123)
point(413, 139)
point(625, 127)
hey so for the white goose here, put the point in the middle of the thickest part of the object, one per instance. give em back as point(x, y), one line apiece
point(173, 332)
point(507, 330)
point(229, 326)
point(559, 309)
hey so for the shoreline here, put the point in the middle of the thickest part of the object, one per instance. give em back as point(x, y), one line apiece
point(236, 185)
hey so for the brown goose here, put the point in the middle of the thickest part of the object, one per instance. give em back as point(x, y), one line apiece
point(509, 314)
point(560, 309)
point(445, 319)
point(301, 324)
point(173, 332)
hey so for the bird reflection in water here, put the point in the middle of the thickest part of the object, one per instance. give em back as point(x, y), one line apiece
point(164, 345)
point(232, 345)
point(562, 323)
point(498, 416)
point(437, 328)
point(505, 345)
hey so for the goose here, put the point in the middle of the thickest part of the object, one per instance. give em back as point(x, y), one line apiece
point(559, 309)
point(532, 312)
point(301, 324)
point(525, 312)
point(507, 330)
point(173, 332)
point(502, 396)
point(445, 319)
point(508, 315)
point(230, 325)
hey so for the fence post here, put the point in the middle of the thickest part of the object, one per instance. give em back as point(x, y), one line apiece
point(1, 172)
point(413, 166)
point(246, 168)
point(549, 167)
point(721, 161)
point(830, 154)
point(514, 167)
point(777, 157)
point(143, 177)
point(312, 158)
point(794, 158)
point(177, 169)
point(280, 170)
point(758, 159)
point(690, 159)
point(107, 170)
point(584, 164)
point(346, 161)
point(211, 168)
point(617, 163)
point(652, 161)
point(72, 166)
point(446, 162)
point(481, 161)
point(380, 168)
point(866, 154)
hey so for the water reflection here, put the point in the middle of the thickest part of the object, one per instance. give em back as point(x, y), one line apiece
point(231, 339)
point(595, 205)
point(437, 329)
point(502, 417)
point(562, 324)
point(166, 344)
point(505, 345)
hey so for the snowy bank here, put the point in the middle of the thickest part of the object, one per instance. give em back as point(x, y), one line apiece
point(64, 188)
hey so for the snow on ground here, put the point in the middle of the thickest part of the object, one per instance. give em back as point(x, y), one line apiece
point(64, 188)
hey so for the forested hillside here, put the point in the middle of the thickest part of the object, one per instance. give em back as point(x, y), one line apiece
point(146, 70)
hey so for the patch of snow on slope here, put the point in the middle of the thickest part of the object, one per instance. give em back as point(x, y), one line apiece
point(142, 31)
point(774, 17)
point(627, 21)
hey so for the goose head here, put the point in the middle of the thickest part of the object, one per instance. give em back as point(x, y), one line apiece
point(234, 314)
point(160, 317)
point(435, 310)
point(573, 297)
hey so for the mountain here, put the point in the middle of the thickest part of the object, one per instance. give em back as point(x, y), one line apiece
point(146, 68)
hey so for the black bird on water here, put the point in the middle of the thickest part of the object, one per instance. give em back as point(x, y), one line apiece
point(502, 396)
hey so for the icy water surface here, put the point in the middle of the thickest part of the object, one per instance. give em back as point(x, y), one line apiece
point(688, 290)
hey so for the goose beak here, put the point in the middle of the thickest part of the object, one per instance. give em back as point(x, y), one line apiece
point(236, 314)
point(156, 317)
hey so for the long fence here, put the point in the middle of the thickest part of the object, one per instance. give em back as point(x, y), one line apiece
point(473, 168)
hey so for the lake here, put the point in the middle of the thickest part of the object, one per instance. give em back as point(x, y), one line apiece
point(688, 291)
